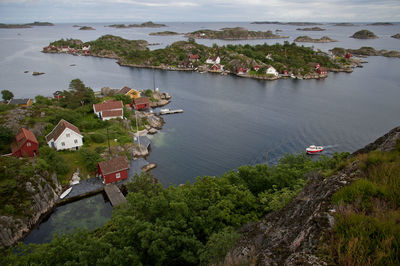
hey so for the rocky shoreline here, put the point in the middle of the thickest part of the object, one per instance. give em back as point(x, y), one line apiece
point(323, 39)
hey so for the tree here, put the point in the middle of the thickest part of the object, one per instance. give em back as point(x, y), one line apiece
point(7, 95)
point(77, 95)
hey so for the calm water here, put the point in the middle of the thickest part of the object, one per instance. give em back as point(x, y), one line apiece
point(228, 121)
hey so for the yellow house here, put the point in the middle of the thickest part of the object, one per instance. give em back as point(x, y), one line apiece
point(21, 102)
point(129, 92)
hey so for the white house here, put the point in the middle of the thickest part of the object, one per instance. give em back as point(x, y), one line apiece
point(65, 136)
point(272, 71)
point(86, 48)
point(109, 110)
point(213, 60)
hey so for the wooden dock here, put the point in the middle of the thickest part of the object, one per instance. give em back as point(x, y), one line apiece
point(114, 194)
point(167, 111)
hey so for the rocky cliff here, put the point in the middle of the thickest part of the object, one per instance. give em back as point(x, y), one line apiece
point(36, 196)
point(292, 235)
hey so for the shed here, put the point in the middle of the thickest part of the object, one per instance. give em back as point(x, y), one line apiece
point(141, 103)
point(113, 170)
point(25, 144)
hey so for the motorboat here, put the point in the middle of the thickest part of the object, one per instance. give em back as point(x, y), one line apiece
point(313, 149)
point(65, 193)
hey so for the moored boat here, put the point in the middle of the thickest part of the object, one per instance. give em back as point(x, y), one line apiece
point(65, 193)
point(314, 149)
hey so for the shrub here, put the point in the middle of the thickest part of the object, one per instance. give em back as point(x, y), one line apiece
point(90, 159)
point(98, 138)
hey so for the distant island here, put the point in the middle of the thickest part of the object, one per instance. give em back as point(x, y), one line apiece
point(364, 51)
point(237, 33)
point(396, 36)
point(324, 39)
point(148, 24)
point(288, 23)
point(364, 34)
point(381, 24)
point(164, 33)
point(311, 29)
point(344, 24)
point(267, 62)
point(86, 28)
point(22, 26)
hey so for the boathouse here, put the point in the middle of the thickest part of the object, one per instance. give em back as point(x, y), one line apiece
point(65, 136)
point(322, 71)
point(109, 110)
point(142, 103)
point(25, 144)
point(113, 170)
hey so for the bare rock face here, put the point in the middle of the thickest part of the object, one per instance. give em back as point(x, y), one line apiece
point(43, 195)
point(291, 236)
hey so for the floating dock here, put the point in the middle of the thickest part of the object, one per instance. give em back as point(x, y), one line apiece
point(114, 194)
point(167, 112)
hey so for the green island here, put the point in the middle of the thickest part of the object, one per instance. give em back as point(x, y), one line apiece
point(288, 23)
point(199, 223)
point(27, 25)
point(396, 36)
point(311, 29)
point(344, 24)
point(364, 34)
point(86, 28)
point(164, 33)
point(237, 33)
point(323, 39)
point(365, 51)
point(148, 24)
point(245, 60)
point(381, 24)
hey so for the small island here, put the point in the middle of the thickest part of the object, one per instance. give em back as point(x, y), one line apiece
point(370, 51)
point(311, 29)
point(23, 26)
point(381, 24)
point(396, 36)
point(164, 33)
point(237, 33)
point(148, 24)
point(364, 34)
point(288, 23)
point(344, 24)
point(86, 28)
point(323, 39)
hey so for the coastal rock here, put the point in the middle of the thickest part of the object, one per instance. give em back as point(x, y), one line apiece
point(148, 167)
point(292, 235)
point(86, 28)
point(364, 34)
point(323, 39)
point(139, 151)
point(396, 36)
point(35, 73)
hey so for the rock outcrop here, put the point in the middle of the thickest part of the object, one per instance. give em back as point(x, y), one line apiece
point(364, 34)
point(42, 192)
point(291, 236)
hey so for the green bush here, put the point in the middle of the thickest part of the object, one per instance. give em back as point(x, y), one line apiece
point(90, 159)
point(98, 138)
point(55, 161)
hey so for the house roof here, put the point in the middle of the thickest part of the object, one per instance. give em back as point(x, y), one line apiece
point(57, 93)
point(111, 113)
point(194, 56)
point(19, 101)
point(213, 58)
point(59, 129)
point(116, 164)
point(110, 105)
point(22, 136)
point(124, 90)
point(142, 100)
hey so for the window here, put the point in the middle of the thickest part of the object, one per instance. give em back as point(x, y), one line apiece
point(68, 135)
point(75, 141)
point(28, 144)
point(62, 143)
point(117, 175)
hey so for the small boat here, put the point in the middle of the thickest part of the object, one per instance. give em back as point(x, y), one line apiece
point(65, 193)
point(314, 149)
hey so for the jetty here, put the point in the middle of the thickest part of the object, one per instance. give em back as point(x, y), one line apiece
point(168, 111)
point(114, 194)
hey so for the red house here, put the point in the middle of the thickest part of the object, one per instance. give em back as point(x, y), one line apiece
point(25, 144)
point(216, 67)
point(256, 67)
point(322, 71)
point(316, 66)
point(285, 72)
point(241, 70)
point(113, 170)
point(141, 103)
point(194, 57)
point(58, 95)
point(348, 55)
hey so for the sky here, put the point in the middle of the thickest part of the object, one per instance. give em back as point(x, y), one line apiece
point(58, 11)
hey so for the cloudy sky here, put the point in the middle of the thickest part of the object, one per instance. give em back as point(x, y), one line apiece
point(21, 11)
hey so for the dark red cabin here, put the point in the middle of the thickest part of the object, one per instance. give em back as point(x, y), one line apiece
point(25, 144)
point(142, 103)
point(113, 170)
point(58, 95)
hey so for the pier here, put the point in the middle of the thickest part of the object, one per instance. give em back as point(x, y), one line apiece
point(168, 111)
point(114, 195)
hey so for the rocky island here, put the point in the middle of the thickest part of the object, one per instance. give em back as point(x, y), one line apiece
point(396, 36)
point(364, 34)
point(148, 24)
point(323, 39)
point(86, 28)
point(288, 23)
point(164, 33)
point(22, 26)
point(381, 24)
point(237, 33)
point(370, 51)
point(265, 61)
point(344, 24)
point(311, 29)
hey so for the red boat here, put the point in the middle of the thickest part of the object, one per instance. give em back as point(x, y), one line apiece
point(314, 149)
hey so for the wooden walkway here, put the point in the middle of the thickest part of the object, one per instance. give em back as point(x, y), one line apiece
point(114, 194)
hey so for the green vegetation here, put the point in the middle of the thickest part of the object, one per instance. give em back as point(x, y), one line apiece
point(164, 33)
point(7, 95)
point(6, 137)
point(367, 230)
point(364, 34)
point(288, 56)
point(185, 225)
point(237, 33)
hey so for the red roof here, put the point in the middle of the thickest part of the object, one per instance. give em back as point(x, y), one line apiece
point(109, 105)
point(124, 90)
point(23, 136)
point(194, 56)
point(59, 129)
point(116, 164)
point(142, 100)
point(111, 113)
